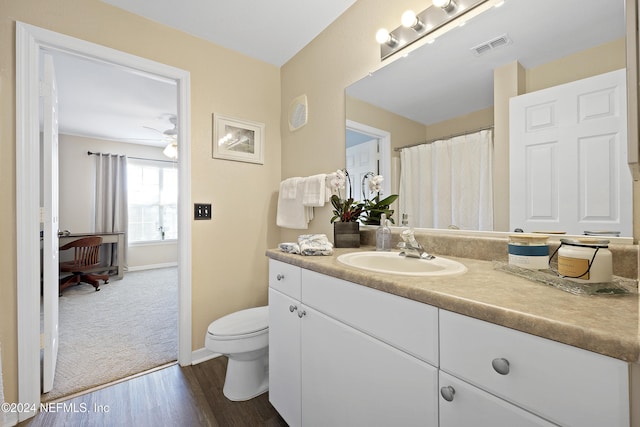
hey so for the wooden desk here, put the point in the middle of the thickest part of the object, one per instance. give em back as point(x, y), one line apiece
point(107, 238)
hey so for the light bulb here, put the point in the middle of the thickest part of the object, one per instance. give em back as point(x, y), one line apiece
point(446, 5)
point(382, 36)
point(408, 19)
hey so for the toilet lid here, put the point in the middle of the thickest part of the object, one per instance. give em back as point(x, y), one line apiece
point(241, 322)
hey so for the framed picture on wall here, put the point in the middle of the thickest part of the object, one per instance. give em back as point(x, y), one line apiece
point(236, 139)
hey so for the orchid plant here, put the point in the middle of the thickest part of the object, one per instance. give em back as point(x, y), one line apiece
point(374, 208)
point(367, 211)
point(344, 209)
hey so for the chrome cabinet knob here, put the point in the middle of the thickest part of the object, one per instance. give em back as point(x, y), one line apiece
point(500, 365)
point(302, 313)
point(292, 308)
point(280, 277)
point(447, 393)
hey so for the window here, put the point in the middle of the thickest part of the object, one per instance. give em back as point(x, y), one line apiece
point(153, 201)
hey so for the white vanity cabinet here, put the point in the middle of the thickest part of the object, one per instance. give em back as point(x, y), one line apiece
point(563, 384)
point(346, 374)
point(342, 354)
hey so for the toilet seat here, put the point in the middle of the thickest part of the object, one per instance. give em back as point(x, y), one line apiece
point(241, 324)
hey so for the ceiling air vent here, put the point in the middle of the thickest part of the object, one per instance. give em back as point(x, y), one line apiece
point(494, 43)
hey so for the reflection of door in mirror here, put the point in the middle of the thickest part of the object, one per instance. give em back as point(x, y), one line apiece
point(362, 158)
point(568, 157)
point(368, 150)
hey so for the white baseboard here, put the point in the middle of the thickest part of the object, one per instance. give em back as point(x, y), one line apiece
point(10, 419)
point(202, 355)
point(152, 266)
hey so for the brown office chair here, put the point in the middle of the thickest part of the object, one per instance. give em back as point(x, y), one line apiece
point(86, 258)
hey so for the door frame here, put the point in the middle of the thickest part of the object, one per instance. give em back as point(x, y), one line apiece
point(30, 40)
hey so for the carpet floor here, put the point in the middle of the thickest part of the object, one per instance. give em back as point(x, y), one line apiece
point(129, 326)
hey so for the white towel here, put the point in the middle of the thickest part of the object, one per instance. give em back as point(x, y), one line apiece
point(315, 194)
point(291, 212)
point(289, 187)
point(315, 244)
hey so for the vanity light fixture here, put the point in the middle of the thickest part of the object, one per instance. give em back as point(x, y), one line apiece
point(410, 20)
point(446, 5)
point(385, 37)
point(416, 26)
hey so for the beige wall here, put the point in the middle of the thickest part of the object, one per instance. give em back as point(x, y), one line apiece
point(403, 131)
point(339, 56)
point(228, 264)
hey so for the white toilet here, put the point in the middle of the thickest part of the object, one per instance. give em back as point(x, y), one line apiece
point(243, 337)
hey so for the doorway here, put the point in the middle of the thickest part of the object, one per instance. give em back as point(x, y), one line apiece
point(371, 146)
point(30, 41)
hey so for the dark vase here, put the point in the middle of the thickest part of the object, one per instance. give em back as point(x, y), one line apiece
point(346, 234)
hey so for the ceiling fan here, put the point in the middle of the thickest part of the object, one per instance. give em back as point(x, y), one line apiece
point(171, 134)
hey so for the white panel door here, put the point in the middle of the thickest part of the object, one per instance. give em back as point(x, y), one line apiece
point(362, 158)
point(568, 154)
point(50, 217)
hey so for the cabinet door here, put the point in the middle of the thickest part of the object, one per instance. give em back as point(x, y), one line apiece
point(466, 405)
point(284, 356)
point(352, 379)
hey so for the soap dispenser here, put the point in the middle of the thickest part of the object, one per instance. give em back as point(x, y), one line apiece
point(383, 235)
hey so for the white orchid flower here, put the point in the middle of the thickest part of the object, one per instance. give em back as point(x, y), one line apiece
point(375, 183)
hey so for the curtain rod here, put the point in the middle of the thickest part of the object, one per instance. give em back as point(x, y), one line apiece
point(429, 141)
point(90, 153)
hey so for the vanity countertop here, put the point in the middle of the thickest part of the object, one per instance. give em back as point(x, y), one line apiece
point(608, 325)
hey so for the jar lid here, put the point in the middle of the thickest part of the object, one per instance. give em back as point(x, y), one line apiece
point(603, 233)
point(528, 239)
point(588, 242)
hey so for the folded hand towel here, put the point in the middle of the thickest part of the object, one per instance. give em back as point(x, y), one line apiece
point(315, 244)
point(291, 212)
point(290, 248)
point(315, 190)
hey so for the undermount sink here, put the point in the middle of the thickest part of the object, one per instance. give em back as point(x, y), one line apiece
point(393, 263)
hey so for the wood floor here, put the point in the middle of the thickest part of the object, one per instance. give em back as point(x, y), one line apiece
point(174, 396)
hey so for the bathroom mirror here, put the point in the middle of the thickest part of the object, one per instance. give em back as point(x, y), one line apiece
point(447, 87)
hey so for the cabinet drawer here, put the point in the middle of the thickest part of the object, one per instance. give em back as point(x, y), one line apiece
point(285, 278)
point(564, 384)
point(467, 405)
point(405, 324)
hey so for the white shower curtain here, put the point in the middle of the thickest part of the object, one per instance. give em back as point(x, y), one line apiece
point(449, 183)
point(111, 204)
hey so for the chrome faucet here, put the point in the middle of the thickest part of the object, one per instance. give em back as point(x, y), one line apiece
point(410, 246)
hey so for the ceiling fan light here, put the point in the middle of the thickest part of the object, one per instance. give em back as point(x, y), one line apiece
point(171, 150)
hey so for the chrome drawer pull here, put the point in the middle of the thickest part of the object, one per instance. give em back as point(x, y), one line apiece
point(280, 277)
point(302, 313)
point(292, 308)
point(500, 365)
point(447, 393)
